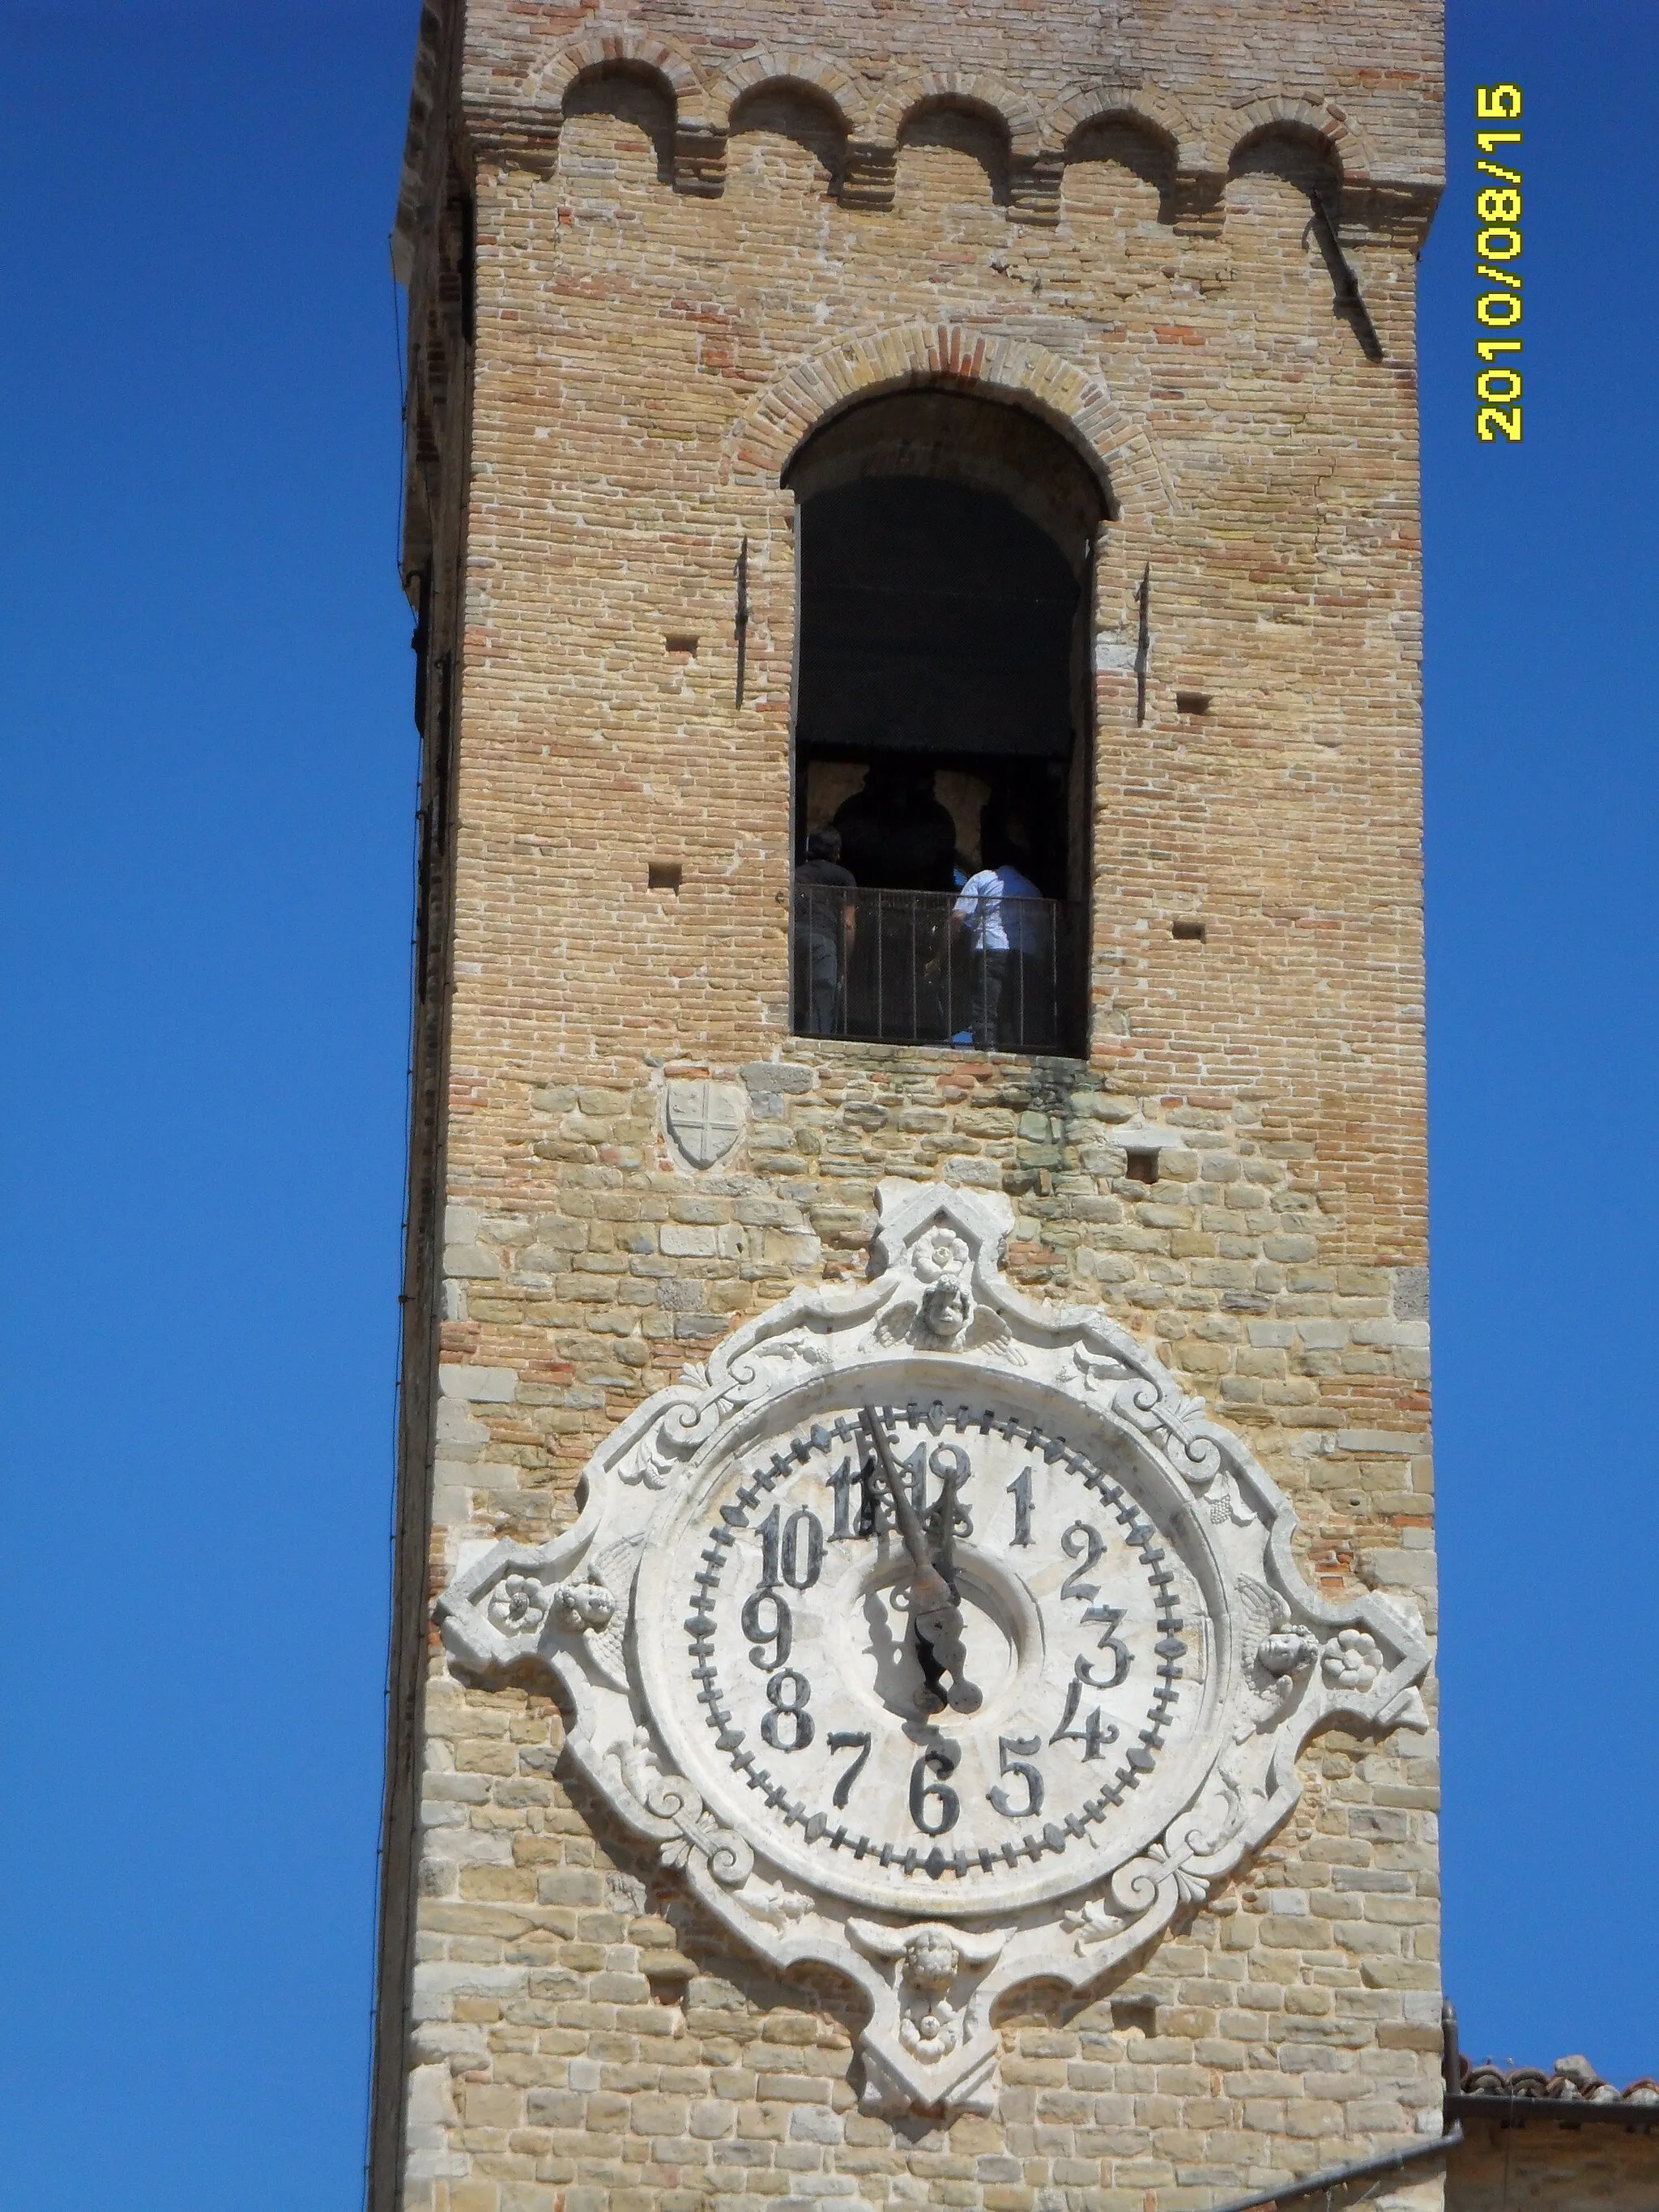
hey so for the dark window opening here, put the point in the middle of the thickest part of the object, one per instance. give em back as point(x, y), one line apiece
point(942, 757)
point(1192, 702)
point(662, 875)
point(1192, 931)
point(1142, 1167)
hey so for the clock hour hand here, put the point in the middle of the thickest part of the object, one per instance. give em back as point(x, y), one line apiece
point(935, 1607)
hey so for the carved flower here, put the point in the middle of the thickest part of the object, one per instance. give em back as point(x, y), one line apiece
point(940, 1253)
point(1353, 1660)
point(518, 1605)
point(931, 2035)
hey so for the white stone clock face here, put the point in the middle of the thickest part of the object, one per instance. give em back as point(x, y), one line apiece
point(785, 1653)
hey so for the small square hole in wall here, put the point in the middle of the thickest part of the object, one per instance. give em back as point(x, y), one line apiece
point(663, 875)
point(1190, 930)
point(1142, 1167)
point(1192, 702)
point(669, 1988)
point(683, 642)
point(1136, 2012)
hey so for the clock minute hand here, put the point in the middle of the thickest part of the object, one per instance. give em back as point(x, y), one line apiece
point(934, 1607)
point(942, 1625)
point(910, 1522)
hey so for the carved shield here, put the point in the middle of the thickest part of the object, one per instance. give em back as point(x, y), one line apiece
point(705, 1120)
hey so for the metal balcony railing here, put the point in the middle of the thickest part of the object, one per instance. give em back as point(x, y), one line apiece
point(898, 968)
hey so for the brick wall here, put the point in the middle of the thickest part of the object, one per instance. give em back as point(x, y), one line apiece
point(670, 270)
point(1552, 2167)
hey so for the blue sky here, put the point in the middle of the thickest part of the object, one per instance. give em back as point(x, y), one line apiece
point(209, 794)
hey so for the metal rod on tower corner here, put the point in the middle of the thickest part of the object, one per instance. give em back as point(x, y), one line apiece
point(741, 626)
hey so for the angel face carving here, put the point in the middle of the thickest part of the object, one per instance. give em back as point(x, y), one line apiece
point(1287, 1652)
point(932, 1961)
point(945, 1310)
point(577, 1606)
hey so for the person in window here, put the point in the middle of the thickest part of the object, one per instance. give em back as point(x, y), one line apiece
point(899, 841)
point(1006, 921)
point(824, 933)
point(896, 834)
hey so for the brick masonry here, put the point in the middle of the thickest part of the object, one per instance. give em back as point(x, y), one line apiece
point(645, 258)
point(1553, 2168)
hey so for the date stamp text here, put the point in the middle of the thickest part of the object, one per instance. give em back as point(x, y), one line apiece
point(1497, 306)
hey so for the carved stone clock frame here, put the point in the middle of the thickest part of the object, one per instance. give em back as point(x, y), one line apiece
point(1261, 1663)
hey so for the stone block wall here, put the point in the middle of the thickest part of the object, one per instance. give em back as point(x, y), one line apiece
point(647, 256)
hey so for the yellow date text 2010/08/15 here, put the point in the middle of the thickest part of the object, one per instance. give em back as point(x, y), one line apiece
point(1499, 304)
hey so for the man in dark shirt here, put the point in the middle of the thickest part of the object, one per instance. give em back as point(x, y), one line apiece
point(824, 933)
point(900, 841)
point(896, 833)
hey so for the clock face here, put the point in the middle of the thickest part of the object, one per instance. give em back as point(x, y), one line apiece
point(785, 1649)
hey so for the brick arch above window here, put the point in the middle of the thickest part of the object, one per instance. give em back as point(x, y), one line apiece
point(994, 364)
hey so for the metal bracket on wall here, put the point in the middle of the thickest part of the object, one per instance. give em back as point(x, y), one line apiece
point(1349, 299)
point(740, 627)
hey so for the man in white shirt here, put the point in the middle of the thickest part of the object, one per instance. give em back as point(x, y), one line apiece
point(1006, 921)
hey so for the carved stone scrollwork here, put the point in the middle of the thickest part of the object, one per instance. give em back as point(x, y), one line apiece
point(677, 1816)
point(672, 1799)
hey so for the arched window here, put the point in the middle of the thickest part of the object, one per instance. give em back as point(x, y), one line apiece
point(942, 736)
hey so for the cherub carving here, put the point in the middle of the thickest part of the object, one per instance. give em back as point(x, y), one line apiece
point(946, 1310)
point(929, 1961)
point(946, 1314)
point(520, 1604)
point(606, 1646)
point(1277, 1651)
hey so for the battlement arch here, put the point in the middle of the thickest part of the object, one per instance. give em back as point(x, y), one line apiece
point(781, 69)
point(625, 50)
point(1320, 122)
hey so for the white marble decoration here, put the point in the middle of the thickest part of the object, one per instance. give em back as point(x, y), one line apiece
point(1026, 1777)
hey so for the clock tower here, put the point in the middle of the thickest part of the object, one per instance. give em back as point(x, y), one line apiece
point(911, 1675)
